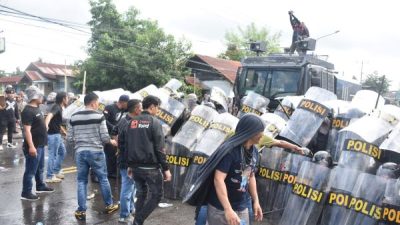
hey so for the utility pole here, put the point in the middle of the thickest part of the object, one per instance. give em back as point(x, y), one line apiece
point(84, 83)
point(361, 73)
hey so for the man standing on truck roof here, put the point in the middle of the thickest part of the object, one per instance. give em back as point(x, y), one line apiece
point(300, 31)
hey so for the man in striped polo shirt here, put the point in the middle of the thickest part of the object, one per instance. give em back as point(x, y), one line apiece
point(88, 132)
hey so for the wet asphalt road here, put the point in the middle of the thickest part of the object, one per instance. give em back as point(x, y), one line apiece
point(59, 207)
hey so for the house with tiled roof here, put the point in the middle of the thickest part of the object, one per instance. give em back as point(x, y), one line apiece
point(10, 80)
point(49, 77)
point(207, 72)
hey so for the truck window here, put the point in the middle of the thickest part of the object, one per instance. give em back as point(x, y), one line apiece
point(255, 80)
point(316, 80)
point(284, 82)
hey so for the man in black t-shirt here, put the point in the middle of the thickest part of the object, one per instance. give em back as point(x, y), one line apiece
point(113, 114)
point(9, 116)
point(55, 142)
point(34, 142)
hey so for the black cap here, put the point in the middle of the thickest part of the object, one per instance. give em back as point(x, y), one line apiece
point(123, 98)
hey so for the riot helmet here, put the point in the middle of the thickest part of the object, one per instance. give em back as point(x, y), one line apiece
point(389, 170)
point(323, 158)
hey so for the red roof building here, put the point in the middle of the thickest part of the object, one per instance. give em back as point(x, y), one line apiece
point(210, 72)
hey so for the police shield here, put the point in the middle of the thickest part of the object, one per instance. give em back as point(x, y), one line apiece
point(171, 87)
point(76, 106)
point(391, 203)
point(359, 142)
point(365, 202)
point(343, 114)
point(341, 181)
point(219, 97)
point(253, 103)
point(220, 128)
point(170, 110)
point(308, 195)
point(365, 100)
point(273, 124)
point(391, 146)
point(308, 116)
point(144, 92)
point(287, 106)
point(178, 155)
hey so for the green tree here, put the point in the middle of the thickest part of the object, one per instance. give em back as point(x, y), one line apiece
point(375, 82)
point(128, 52)
point(238, 41)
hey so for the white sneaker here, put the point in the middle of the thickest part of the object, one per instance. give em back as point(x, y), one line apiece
point(10, 145)
point(54, 179)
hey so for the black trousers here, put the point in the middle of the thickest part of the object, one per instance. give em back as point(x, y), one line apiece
point(10, 126)
point(111, 159)
point(149, 190)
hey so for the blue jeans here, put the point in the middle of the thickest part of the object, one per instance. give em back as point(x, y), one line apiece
point(34, 167)
point(201, 218)
point(56, 153)
point(96, 161)
point(128, 192)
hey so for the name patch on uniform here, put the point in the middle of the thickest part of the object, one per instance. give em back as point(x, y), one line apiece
point(357, 204)
point(363, 147)
point(178, 160)
point(166, 117)
point(248, 109)
point(308, 192)
point(199, 120)
point(314, 107)
point(339, 123)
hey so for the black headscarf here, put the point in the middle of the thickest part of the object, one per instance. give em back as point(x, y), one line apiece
point(249, 126)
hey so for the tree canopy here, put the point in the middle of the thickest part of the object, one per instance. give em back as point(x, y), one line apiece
point(128, 52)
point(237, 42)
point(374, 82)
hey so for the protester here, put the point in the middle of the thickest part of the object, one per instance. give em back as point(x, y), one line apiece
point(56, 147)
point(143, 142)
point(9, 116)
point(35, 139)
point(300, 31)
point(87, 130)
point(113, 113)
point(128, 189)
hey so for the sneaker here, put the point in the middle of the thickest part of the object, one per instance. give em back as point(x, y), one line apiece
point(112, 208)
point(60, 175)
point(54, 179)
point(29, 197)
point(1, 148)
point(10, 145)
point(126, 220)
point(45, 190)
point(80, 215)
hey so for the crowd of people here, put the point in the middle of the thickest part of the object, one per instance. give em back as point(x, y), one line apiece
point(127, 137)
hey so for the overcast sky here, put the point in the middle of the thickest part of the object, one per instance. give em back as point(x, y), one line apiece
point(368, 32)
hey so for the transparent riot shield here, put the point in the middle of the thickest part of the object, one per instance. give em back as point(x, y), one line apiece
point(253, 103)
point(171, 87)
point(308, 116)
point(220, 128)
point(391, 146)
point(341, 181)
point(288, 105)
point(219, 96)
point(178, 155)
point(391, 203)
point(170, 110)
point(76, 106)
point(290, 164)
point(365, 204)
point(273, 124)
point(269, 176)
point(359, 142)
point(308, 195)
point(366, 100)
point(343, 114)
point(144, 92)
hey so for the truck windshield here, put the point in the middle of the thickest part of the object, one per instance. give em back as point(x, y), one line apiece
point(270, 82)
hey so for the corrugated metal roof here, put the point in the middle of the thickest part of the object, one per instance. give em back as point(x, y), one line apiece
point(227, 68)
point(10, 80)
